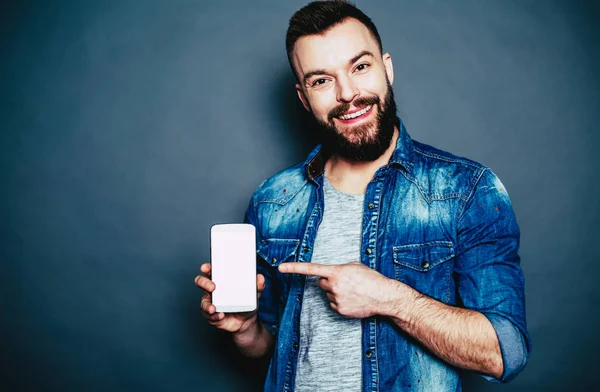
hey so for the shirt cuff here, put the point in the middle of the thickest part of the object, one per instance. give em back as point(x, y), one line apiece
point(512, 346)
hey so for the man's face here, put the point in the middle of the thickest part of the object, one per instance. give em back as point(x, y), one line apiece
point(345, 83)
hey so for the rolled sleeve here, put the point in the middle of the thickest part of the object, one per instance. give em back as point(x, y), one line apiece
point(488, 272)
point(512, 345)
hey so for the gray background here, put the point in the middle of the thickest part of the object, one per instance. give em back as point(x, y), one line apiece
point(128, 128)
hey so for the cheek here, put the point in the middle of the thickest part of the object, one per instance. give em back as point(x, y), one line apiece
point(321, 104)
point(373, 83)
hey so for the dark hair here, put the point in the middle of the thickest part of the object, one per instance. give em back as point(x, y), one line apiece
point(318, 17)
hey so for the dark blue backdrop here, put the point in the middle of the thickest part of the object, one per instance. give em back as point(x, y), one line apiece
point(129, 127)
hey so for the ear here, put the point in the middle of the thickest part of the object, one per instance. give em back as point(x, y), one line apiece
point(302, 97)
point(389, 68)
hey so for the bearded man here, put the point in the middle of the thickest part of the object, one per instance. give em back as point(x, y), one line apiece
point(384, 264)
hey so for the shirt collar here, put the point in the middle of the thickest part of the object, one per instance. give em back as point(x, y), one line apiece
point(402, 157)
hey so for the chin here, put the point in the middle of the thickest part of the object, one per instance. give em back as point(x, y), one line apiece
point(358, 134)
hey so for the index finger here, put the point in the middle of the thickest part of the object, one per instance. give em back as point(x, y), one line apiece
point(312, 269)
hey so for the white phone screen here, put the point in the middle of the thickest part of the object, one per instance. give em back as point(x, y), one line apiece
point(233, 266)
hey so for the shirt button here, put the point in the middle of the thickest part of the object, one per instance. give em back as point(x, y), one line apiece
point(425, 264)
point(369, 251)
point(295, 345)
point(368, 354)
point(299, 297)
point(371, 206)
point(306, 248)
point(274, 259)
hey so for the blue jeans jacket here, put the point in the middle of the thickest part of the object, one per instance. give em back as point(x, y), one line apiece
point(441, 224)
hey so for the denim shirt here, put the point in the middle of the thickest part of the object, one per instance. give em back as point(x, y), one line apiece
point(442, 224)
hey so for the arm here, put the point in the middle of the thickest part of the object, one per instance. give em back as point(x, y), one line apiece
point(461, 337)
point(249, 334)
point(487, 269)
point(489, 335)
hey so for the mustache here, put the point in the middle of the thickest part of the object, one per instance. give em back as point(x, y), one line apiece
point(341, 109)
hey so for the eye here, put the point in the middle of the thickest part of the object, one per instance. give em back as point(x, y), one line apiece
point(318, 82)
point(361, 67)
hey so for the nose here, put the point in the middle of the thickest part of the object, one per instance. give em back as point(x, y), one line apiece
point(346, 90)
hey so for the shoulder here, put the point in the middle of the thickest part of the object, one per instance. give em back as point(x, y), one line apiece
point(432, 154)
point(282, 186)
point(445, 175)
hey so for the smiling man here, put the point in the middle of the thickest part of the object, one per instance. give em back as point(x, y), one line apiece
point(384, 264)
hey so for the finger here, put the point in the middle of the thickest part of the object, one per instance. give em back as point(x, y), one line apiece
point(313, 269)
point(205, 268)
point(260, 282)
point(215, 318)
point(330, 297)
point(324, 284)
point(205, 284)
point(207, 305)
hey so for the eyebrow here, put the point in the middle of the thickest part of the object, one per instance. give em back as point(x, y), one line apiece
point(358, 56)
point(312, 73)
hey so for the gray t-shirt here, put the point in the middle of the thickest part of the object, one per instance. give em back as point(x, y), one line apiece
point(330, 357)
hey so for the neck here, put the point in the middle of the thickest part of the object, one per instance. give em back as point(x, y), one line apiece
point(356, 175)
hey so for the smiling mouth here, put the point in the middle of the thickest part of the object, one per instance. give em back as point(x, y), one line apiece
point(355, 117)
point(359, 113)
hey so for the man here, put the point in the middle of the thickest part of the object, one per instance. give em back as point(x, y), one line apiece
point(384, 264)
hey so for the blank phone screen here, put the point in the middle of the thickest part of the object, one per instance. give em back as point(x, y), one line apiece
point(233, 264)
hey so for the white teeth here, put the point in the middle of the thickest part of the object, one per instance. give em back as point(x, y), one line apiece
point(355, 114)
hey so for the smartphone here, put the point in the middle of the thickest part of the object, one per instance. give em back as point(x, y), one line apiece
point(233, 267)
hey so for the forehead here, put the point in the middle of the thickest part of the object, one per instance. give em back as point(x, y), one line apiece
point(333, 48)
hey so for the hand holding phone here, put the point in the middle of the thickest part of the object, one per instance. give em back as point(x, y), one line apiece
point(231, 284)
point(230, 322)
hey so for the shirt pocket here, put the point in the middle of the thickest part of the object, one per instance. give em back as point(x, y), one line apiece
point(426, 267)
point(278, 250)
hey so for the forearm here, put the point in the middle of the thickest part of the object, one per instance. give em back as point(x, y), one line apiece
point(461, 337)
point(255, 341)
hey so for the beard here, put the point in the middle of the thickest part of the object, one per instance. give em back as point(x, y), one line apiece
point(373, 138)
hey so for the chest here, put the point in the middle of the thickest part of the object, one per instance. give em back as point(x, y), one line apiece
point(393, 230)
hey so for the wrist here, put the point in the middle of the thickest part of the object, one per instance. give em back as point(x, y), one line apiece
point(248, 327)
point(401, 301)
